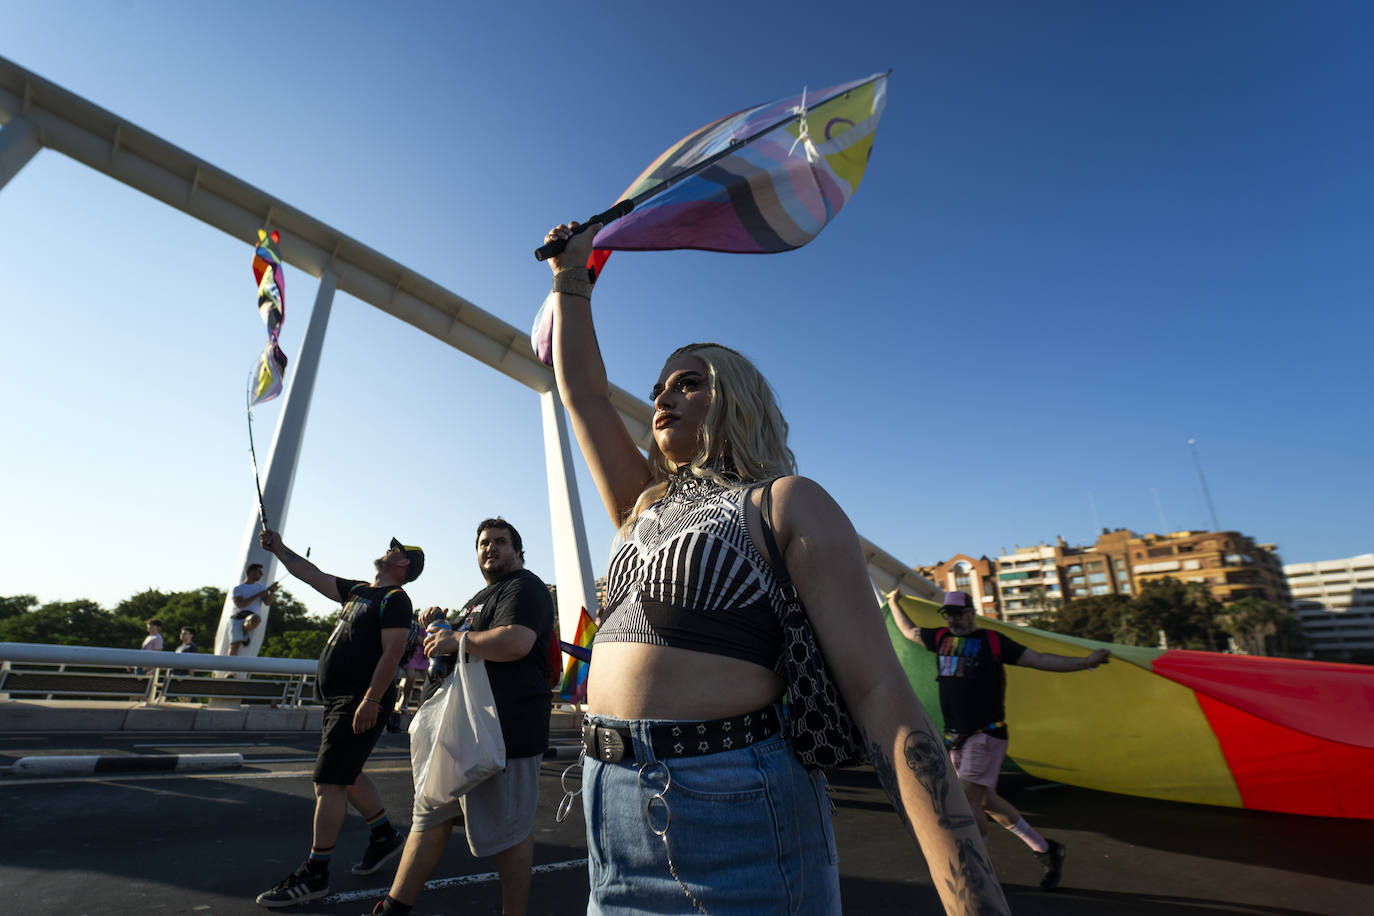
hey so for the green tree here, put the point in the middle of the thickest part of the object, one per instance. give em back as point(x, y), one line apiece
point(296, 644)
point(199, 609)
point(15, 605)
point(294, 632)
point(72, 623)
point(142, 606)
point(1187, 613)
point(1094, 617)
point(1262, 627)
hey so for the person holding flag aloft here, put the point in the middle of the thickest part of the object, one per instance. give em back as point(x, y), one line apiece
point(694, 795)
point(356, 681)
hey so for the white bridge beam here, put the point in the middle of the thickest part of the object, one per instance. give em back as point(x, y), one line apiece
point(71, 125)
point(19, 142)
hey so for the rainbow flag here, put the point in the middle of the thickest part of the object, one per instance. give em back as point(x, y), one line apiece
point(762, 180)
point(574, 686)
point(795, 164)
point(265, 381)
point(1273, 734)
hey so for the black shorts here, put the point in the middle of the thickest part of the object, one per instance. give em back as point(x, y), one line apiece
point(343, 753)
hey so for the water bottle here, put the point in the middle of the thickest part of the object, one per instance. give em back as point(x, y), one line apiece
point(440, 666)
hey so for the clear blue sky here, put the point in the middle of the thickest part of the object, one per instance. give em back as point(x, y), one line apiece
point(1089, 232)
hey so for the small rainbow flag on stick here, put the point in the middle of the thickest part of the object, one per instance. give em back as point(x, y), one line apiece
point(574, 686)
point(266, 380)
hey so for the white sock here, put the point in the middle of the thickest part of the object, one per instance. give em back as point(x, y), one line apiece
point(1029, 836)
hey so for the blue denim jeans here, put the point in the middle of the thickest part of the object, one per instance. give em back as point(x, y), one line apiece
point(745, 831)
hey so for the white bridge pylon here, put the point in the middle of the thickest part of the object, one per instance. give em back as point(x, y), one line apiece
point(37, 114)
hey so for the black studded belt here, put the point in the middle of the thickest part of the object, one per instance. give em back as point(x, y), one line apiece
point(613, 743)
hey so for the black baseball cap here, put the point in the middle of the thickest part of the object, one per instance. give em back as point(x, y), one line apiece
point(416, 557)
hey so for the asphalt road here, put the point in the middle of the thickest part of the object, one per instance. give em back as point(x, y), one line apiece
point(206, 844)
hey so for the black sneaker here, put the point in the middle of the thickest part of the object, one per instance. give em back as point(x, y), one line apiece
point(1051, 866)
point(298, 887)
point(378, 854)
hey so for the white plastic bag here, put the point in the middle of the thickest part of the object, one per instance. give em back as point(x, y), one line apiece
point(455, 737)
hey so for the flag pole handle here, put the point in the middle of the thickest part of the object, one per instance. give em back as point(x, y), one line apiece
point(555, 248)
point(262, 512)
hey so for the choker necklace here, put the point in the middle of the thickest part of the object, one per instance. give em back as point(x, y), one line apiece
point(684, 483)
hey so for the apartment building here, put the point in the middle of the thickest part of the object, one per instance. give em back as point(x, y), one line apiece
point(1102, 569)
point(1231, 565)
point(1031, 581)
point(963, 573)
point(1028, 581)
point(1334, 600)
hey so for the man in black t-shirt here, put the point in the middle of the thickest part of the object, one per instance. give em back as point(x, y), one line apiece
point(509, 623)
point(354, 682)
point(972, 684)
point(188, 644)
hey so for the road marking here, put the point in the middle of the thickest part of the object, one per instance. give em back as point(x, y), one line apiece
point(302, 758)
point(459, 881)
point(20, 782)
point(225, 744)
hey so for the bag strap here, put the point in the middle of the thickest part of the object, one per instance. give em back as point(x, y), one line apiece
point(771, 542)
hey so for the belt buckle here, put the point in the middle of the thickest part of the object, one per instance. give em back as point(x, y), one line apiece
point(610, 747)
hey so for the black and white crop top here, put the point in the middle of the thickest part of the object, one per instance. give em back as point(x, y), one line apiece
point(688, 576)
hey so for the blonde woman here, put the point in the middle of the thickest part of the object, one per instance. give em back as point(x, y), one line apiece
point(694, 799)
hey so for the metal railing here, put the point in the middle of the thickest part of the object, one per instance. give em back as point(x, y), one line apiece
point(86, 672)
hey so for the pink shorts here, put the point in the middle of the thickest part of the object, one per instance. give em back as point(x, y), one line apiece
point(979, 759)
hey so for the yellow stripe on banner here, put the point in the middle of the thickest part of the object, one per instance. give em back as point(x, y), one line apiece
point(1119, 728)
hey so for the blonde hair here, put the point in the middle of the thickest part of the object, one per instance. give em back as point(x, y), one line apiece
point(743, 423)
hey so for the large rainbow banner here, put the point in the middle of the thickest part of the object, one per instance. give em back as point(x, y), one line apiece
point(1273, 734)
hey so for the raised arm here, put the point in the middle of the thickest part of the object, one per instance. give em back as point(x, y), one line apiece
point(299, 566)
point(909, 629)
point(1048, 661)
point(265, 594)
point(825, 561)
point(619, 468)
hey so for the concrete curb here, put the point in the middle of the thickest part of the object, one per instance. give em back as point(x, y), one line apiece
point(112, 716)
point(87, 764)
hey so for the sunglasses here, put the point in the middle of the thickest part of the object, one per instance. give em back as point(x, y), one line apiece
point(956, 612)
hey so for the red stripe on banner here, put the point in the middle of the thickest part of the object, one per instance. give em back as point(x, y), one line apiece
point(1323, 699)
point(1279, 769)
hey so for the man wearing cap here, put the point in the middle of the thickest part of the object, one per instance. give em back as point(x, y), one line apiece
point(355, 682)
point(972, 699)
point(510, 623)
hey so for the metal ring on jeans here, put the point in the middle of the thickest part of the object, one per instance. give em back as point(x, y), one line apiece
point(658, 796)
point(566, 802)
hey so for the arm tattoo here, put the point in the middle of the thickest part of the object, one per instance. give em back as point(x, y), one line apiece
point(973, 883)
point(928, 762)
point(887, 778)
